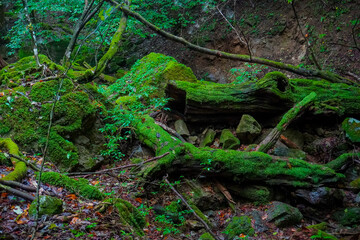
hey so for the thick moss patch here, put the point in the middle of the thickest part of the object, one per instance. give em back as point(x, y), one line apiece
point(239, 225)
point(351, 126)
point(20, 168)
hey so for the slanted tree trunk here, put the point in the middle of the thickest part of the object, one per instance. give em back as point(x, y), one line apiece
point(312, 73)
point(89, 11)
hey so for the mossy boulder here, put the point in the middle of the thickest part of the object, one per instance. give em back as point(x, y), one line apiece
point(48, 206)
point(208, 138)
point(228, 140)
point(128, 214)
point(26, 69)
point(25, 111)
point(284, 215)
point(239, 225)
point(149, 76)
point(348, 216)
point(351, 126)
point(248, 129)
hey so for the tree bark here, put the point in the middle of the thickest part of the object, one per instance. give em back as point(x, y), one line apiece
point(2, 63)
point(270, 96)
point(237, 166)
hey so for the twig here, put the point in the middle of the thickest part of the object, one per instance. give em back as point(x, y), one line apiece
point(170, 130)
point(117, 168)
point(19, 185)
point(189, 207)
point(17, 192)
point(32, 165)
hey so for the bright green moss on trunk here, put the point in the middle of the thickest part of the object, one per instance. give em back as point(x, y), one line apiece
point(80, 186)
point(20, 169)
point(241, 166)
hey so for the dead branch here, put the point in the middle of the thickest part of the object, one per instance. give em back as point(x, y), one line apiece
point(190, 208)
point(17, 192)
point(19, 185)
point(170, 130)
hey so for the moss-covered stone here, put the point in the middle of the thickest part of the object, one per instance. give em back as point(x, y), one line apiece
point(284, 215)
point(46, 91)
point(151, 75)
point(80, 186)
point(351, 126)
point(239, 225)
point(208, 138)
point(340, 161)
point(228, 140)
point(48, 206)
point(248, 129)
point(128, 214)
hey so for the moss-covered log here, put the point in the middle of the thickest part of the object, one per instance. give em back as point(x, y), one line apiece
point(185, 158)
point(20, 169)
point(273, 94)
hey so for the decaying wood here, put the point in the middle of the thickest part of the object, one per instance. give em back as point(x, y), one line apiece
point(19, 185)
point(17, 192)
point(291, 115)
point(288, 142)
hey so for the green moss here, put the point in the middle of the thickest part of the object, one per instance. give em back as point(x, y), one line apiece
point(151, 75)
point(257, 194)
point(80, 186)
point(128, 214)
point(25, 69)
point(200, 214)
point(45, 91)
point(348, 217)
point(206, 236)
point(241, 165)
point(228, 140)
point(4, 160)
point(351, 126)
point(340, 161)
point(48, 206)
point(20, 168)
point(239, 225)
point(208, 138)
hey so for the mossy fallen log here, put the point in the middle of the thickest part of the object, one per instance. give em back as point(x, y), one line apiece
point(20, 168)
point(237, 166)
point(271, 95)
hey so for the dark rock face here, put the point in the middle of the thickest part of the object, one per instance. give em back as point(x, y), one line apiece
point(284, 215)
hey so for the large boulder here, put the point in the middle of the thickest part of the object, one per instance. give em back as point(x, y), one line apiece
point(239, 225)
point(248, 129)
point(284, 215)
point(228, 140)
point(25, 110)
point(351, 126)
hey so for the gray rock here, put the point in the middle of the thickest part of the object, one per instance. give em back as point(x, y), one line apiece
point(289, 152)
point(181, 128)
point(351, 126)
point(326, 197)
point(248, 129)
point(284, 215)
point(228, 140)
point(208, 138)
point(193, 139)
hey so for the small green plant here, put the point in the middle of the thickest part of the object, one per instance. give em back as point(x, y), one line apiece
point(242, 75)
point(207, 164)
point(322, 235)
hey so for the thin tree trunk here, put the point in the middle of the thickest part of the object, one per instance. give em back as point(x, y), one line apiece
point(32, 32)
point(86, 15)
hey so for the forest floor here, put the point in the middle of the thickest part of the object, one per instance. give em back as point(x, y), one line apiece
point(82, 218)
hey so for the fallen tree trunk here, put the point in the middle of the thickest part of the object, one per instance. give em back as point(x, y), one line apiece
point(237, 166)
point(272, 95)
